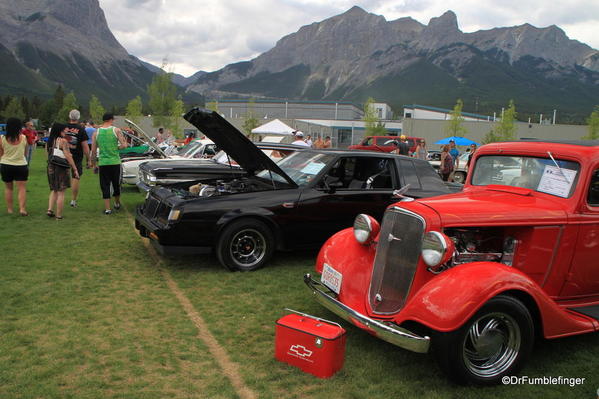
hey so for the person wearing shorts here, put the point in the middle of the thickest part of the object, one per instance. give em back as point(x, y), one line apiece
point(78, 139)
point(13, 165)
point(106, 143)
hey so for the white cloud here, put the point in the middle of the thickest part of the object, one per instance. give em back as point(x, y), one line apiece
point(209, 34)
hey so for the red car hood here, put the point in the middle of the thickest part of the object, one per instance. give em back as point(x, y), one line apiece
point(497, 205)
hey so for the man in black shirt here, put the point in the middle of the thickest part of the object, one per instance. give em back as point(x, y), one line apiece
point(403, 148)
point(77, 138)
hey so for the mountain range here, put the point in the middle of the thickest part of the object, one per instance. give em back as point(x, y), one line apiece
point(349, 57)
point(356, 55)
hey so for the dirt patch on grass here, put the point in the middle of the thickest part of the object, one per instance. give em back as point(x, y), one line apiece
point(230, 369)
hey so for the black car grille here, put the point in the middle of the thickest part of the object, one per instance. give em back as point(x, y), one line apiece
point(397, 255)
point(154, 209)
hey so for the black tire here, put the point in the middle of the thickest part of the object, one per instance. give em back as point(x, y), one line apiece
point(494, 343)
point(459, 177)
point(245, 245)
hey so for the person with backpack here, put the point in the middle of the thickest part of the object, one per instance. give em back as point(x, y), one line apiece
point(447, 163)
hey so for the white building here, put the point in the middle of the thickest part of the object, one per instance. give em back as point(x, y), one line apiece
point(415, 111)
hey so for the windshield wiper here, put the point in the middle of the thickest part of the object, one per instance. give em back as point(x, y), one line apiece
point(558, 167)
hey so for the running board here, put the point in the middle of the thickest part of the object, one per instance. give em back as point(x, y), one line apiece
point(591, 311)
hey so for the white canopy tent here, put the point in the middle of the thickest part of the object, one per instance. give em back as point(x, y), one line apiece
point(274, 127)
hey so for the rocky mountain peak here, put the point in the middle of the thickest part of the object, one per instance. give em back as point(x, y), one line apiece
point(448, 22)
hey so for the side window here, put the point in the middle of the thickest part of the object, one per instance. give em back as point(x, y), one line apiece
point(367, 141)
point(362, 173)
point(409, 173)
point(384, 141)
point(593, 195)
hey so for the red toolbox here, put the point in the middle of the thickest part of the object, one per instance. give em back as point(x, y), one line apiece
point(314, 345)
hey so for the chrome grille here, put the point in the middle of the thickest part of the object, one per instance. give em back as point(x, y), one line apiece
point(397, 255)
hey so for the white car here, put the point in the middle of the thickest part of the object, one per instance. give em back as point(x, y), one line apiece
point(196, 150)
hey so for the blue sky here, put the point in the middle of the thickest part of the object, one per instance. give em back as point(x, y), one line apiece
point(208, 34)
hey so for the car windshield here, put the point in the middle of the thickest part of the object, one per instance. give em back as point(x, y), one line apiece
point(301, 167)
point(188, 150)
point(274, 154)
point(539, 174)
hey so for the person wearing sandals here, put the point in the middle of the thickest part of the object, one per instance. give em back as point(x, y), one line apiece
point(106, 142)
point(59, 177)
point(13, 164)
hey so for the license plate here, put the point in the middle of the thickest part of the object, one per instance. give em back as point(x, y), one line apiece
point(331, 278)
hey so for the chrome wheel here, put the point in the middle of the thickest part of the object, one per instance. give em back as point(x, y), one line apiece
point(491, 345)
point(247, 248)
point(459, 177)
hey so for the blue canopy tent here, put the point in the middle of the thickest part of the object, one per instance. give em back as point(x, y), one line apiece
point(458, 141)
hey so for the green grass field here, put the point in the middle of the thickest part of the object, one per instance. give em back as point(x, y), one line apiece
point(87, 312)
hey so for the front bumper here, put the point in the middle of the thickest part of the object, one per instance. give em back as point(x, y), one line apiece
point(390, 333)
point(163, 239)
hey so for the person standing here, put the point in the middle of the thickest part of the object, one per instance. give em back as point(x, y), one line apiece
point(31, 134)
point(402, 147)
point(421, 152)
point(318, 143)
point(327, 142)
point(90, 129)
point(77, 137)
point(472, 151)
point(309, 140)
point(160, 136)
point(13, 165)
point(299, 139)
point(58, 175)
point(108, 139)
point(455, 153)
point(446, 167)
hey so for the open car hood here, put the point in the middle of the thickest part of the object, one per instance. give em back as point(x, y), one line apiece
point(147, 138)
point(233, 142)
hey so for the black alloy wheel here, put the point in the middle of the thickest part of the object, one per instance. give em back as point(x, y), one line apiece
point(245, 245)
point(494, 343)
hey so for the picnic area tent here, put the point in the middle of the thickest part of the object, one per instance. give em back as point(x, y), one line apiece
point(274, 127)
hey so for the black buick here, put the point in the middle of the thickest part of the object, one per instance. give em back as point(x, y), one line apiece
point(295, 203)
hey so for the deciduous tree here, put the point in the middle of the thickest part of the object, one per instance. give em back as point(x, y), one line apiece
point(372, 123)
point(14, 109)
point(96, 110)
point(134, 109)
point(506, 129)
point(69, 103)
point(593, 122)
point(249, 119)
point(455, 125)
point(162, 94)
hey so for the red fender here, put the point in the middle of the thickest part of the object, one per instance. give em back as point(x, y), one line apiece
point(448, 300)
point(354, 261)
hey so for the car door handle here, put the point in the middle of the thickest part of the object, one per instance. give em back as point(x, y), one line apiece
point(288, 205)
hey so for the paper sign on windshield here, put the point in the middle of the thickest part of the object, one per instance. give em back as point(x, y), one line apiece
point(556, 182)
point(313, 168)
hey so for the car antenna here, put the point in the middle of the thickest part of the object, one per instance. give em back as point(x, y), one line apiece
point(558, 167)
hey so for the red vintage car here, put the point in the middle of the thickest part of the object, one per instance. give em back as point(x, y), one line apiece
point(476, 275)
point(384, 143)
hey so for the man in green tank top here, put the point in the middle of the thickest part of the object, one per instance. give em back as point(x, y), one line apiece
point(106, 142)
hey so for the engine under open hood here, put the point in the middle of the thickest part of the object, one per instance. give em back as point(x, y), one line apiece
point(490, 207)
point(233, 142)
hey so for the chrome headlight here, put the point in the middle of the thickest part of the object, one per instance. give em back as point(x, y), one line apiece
point(366, 228)
point(437, 248)
point(174, 215)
